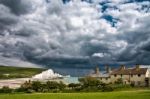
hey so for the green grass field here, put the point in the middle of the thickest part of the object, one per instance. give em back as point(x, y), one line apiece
point(18, 72)
point(102, 95)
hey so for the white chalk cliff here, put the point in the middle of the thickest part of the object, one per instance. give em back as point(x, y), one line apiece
point(48, 74)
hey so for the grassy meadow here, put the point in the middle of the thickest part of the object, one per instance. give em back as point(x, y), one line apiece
point(102, 95)
point(8, 72)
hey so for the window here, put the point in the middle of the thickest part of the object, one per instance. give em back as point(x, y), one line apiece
point(131, 75)
point(121, 75)
point(139, 75)
point(139, 82)
point(106, 78)
point(115, 75)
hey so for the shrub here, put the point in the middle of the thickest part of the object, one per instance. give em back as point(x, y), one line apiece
point(74, 86)
point(30, 91)
point(132, 85)
point(6, 89)
point(107, 88)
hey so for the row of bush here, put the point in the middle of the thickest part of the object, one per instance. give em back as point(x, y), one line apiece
point(87, 84)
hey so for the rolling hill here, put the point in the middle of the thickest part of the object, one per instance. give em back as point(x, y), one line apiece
point(9, 72)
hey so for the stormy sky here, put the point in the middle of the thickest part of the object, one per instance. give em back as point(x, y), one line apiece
point(80, 33)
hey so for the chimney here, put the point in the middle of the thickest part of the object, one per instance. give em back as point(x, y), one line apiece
point(97, 70)
point(108, 69)
point(137, 67)
point(122, 67)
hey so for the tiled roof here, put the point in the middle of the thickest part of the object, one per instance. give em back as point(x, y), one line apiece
point(128, 71)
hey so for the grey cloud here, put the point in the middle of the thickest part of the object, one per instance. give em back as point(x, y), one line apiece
point(70, 34)
point(6, 18)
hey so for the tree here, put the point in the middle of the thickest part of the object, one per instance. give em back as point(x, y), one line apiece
point(119, 81)
point(52, 85)
point(37, 86)
point(25, 86)
point(62, 86)
point(91, 83)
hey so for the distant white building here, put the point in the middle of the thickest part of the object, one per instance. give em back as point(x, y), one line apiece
point(138, 75)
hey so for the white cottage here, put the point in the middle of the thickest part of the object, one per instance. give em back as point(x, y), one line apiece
point(138, 76)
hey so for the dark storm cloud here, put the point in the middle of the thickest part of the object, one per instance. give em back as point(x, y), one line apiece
point(75, 34)
point(90, 49)
point(146, 47)
point(138, 40)
point(17, 7)
point(25, 32)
